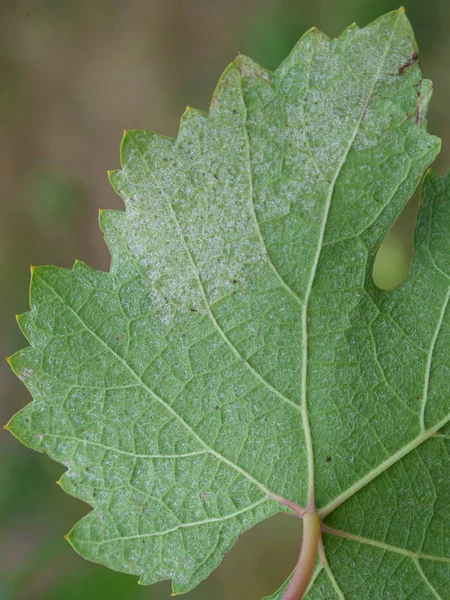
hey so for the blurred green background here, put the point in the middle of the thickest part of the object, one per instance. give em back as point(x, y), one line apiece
point(73, 75)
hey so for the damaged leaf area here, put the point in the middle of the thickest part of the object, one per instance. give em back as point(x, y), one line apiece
point(237, 361)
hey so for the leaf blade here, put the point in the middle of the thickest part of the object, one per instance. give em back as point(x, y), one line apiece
point(215, 375)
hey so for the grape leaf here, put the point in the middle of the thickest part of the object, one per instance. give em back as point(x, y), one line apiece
point(237, 361)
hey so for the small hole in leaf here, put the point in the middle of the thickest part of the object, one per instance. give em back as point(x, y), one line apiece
point(392, 262)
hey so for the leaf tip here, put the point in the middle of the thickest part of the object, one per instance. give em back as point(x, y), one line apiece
point(6, 427)
point(402, 10)
point(58, 482)
point(237, 61)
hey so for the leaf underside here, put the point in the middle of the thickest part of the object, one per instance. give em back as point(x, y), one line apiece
point(237, 357)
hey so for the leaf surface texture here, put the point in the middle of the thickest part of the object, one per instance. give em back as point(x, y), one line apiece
point(237, 358)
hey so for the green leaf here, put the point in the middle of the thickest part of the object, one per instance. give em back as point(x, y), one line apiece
point(238, 361)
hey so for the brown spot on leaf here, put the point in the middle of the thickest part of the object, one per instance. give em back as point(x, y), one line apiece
point(414, 58)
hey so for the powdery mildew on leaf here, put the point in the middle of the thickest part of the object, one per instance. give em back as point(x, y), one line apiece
point(237, 361)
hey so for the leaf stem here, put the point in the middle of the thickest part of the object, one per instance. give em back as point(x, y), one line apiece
point(307, 559)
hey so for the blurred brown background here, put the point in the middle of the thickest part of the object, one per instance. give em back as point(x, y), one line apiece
point(73, 75)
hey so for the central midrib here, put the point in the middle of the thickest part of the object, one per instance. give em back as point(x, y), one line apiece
point(304, 376)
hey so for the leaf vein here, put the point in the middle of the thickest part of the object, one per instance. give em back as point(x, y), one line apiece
point(383, 545)
point(382, 467)
point(185, 525)
point(118, 451)
point(426, 580)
